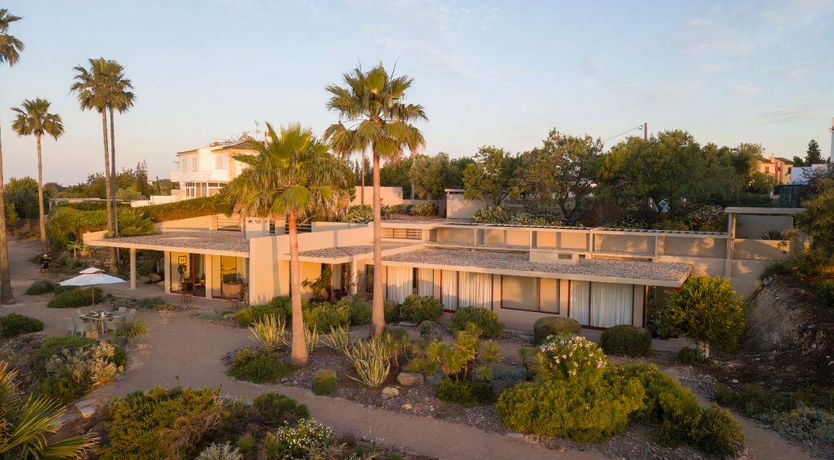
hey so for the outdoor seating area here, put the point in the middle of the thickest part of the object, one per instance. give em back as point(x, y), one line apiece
point(97, 323)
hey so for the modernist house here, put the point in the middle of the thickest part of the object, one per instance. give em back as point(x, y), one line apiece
point(599, 276)
point(204, 170)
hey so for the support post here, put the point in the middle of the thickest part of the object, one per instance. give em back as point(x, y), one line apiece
point(731, 236)
point(132, 268)
point(354, 277)
point(166, 272)
point(208, 267)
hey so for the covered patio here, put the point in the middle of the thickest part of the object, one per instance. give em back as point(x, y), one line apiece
point(209, 264)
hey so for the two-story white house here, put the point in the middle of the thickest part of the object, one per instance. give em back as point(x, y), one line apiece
point(205, 170)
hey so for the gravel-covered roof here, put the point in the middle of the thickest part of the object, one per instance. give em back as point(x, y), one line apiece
point(348, 251)
point(200, 242)
point(640, 272)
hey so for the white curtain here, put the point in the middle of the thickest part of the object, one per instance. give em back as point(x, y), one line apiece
point(425, 281)
point(449, 286)
point(611, 304)
point(580, 292)
point(475, 290)
point(399, 284)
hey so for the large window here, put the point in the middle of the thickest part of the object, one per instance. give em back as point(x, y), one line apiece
point(601, 304)
point(369, 279)
point(520, 293)
point(475, 290)
point(228, 276)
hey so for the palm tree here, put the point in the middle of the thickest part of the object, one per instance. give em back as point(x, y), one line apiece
point(292, 176)
point(373, 103)
point(121, 99)
point(10, 48)
point(93, 86)
point(27, 425)
point(33, 119)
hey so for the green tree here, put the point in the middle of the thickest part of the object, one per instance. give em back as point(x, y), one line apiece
point(818, 218)
point(492, 175)
point(373, 104)
point(813, 156)
point(798, 162)
point(706, 309)
point(295, 176)
point(559, 174)
point(10, 48)
point(28, 425)
point(93, 88)
point(22, 195)
point(396, 173)
point(432, 175)
point(33, 119)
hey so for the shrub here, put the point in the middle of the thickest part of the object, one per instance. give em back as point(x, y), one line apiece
point(40, 287)
point(467, 358)
point(570, 357)
point(806, 424)
point(53, 345)
point(689, 355)
point(464, 392)
point(360, 312)
point(420, 308)
point(160, 423)
point(421, 365)
point(553, 325)
point(274, 409)
point(423, 209)
point(14, 324)
point(359, 215)
point(258, 366)
point(184, 209)
point(298, 441)
point(220, 452)
point(392, 312)
point(324, 382)
point(371, 360)
point(278, 306)
point(73, 372)
point(131, 329)
point(247, 443)
point(397, 333)
point(626, 340)
point(706, 309)
point(75, 298)
point(579, 409)
point(486, 320)
point(752, 400)
point(825, 292)
point(325, 315)
point(62, 289)
point(427, 327)
point(269, 332)
point(717, 433)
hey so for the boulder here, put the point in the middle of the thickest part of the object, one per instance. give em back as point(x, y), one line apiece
point(154, 278)
point(390, 392)
point(408, 379)
point(142, 279)
point(777, 316)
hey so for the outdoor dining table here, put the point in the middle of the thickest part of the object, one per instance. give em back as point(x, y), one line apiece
point(100, 317)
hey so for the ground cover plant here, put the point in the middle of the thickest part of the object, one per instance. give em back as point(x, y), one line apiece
point(14, 324)
point(40, 287)
point(259, 366)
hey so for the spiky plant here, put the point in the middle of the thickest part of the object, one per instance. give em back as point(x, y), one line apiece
point(371, 360)
point(269, 332)
point(339, 340)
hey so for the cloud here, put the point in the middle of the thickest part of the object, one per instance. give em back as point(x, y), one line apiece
point(747, 89)
point(791, 115)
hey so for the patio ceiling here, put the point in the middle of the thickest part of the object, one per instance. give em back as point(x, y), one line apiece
point(518, 264)
point(196, 242)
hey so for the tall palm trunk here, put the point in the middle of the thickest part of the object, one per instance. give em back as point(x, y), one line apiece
point(298, 352)
point(42, 223)
point(378, 317)
point(362, 198)
point(6, 296)
point(113, 185)
point(107, 190)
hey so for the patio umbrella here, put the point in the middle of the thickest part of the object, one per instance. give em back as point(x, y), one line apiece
point(91, 277)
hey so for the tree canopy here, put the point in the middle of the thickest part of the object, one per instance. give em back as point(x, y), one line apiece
point(491, 176)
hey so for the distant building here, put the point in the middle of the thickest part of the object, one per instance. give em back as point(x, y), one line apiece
point(777, 168)
point(802, 175)
point(205, 170)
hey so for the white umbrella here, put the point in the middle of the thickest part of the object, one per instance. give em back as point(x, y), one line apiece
point(91, 277)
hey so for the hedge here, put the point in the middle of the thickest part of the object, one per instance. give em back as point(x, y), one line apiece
point(185, 209)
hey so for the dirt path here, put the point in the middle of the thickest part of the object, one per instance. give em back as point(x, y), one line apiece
point(181, 350)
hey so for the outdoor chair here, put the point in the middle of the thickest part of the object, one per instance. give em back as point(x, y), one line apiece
point(77, 312)
point(84, 328)
point(70, 325)
point(131, 314)
point(110, 324)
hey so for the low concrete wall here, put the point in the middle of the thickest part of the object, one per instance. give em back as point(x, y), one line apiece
point(457, 207)
point(760, 249)
point(329, 226)
point(93, 236)
point(753, 225)
point(624, 243)
point(193, 223)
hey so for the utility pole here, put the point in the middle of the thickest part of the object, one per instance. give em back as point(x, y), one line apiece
point(645, 131)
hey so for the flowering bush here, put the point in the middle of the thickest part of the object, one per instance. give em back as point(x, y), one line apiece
point(73, 372)
point(298, 441)
point(359, 215)
point(423, 209)
point(566, 357)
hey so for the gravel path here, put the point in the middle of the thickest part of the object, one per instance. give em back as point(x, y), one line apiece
point(181, 350)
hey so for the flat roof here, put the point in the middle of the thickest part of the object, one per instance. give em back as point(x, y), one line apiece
point(224, 243)
point(515, 264)
point(764, 211)
point(344, 254)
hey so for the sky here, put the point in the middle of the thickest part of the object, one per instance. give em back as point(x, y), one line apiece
point(487, 72)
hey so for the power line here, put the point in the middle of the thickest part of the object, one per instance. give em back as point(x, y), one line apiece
point(640, 126)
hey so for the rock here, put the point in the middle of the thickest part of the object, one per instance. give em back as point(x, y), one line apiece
point(435, 379)
point(390, 392)
point(735, 380)
point(777, 315)
point(154, 278)
point(141, 279)
point(407, 406)
point(408, 379)
point(87, 408)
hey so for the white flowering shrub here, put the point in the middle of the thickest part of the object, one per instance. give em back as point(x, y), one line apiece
point(567, 356)
point(220, 452)
point(300, 440)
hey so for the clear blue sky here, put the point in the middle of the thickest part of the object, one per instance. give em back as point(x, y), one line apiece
point(487, 72)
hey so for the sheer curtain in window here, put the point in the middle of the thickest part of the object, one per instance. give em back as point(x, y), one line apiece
point(580, 292)
point(399, 283)
point(449, 280)
point(425, 281)
point(611, 304)
point(475, 290)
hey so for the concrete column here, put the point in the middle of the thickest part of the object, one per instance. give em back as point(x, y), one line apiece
point(731, 236)
point(208, 267)
point(166, 272)
point(354, 277)
point(132, 268)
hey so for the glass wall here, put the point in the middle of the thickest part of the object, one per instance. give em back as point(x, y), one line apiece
point(228, 276)
point(188, 273)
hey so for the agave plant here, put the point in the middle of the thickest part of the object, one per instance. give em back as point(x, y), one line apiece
point(371, 360)
point(27, 425)
point(339, 339)
point(269, 332)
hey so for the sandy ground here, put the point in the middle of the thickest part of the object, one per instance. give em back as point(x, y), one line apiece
point(181, 350)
